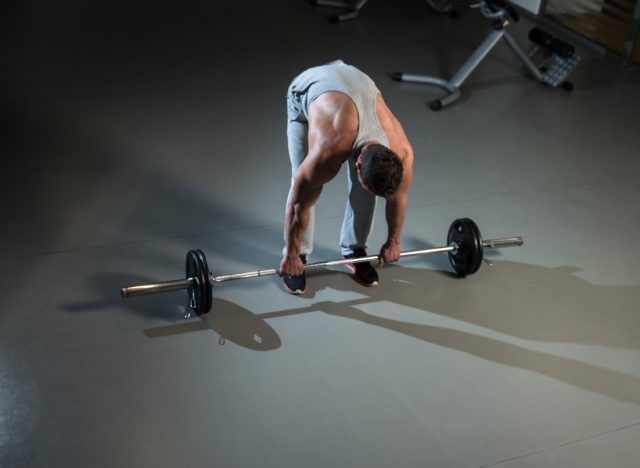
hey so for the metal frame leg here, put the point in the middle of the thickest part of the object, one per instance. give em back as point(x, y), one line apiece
point(354, 8)
point(452, 86)
point(535, 72)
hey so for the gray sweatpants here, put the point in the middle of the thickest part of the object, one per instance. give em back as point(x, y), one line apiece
point(361, 205)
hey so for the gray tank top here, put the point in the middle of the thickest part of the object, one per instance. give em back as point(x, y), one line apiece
point(347, 79)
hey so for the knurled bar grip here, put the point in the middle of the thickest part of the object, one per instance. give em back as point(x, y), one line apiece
point(176, 285)
point(344, 261)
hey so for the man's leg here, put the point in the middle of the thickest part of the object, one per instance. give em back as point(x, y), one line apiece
point(358, 215)
point(356, 227)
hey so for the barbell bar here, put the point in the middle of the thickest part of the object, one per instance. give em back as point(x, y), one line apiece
point(465, 249)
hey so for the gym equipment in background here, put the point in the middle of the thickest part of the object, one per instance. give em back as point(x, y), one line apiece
point(501, 14)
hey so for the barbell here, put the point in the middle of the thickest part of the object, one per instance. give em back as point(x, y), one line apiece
point(465, 249)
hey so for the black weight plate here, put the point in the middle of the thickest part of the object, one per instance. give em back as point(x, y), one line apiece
point(466, 260)
point(197, 287)
point(460, 235)
point(479, 247)
point(458, 261)
point(208, 287)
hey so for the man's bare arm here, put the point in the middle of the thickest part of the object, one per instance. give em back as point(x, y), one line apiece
point(307, 187)
point(332, 129)
point(313, 173)
point(394, 213)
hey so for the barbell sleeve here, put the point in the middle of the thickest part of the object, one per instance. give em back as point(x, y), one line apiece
point(502, 242)
point(154, 288)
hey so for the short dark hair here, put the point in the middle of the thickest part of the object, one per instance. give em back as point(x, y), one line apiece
point(380, 170)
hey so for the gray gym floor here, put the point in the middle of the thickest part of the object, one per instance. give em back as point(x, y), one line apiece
point(135, 131)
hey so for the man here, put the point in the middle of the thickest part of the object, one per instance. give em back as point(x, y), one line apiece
point(335, 115)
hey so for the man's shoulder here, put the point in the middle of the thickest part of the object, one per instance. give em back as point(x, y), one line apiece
point(331, 104)
point(333, 123)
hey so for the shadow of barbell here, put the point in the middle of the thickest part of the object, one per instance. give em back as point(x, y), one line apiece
point(467, 300)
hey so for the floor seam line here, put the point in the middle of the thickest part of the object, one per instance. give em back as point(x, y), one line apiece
point(566, 444)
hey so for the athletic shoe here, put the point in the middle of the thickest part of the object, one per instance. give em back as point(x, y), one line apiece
point(296, 284)
point(364, 272)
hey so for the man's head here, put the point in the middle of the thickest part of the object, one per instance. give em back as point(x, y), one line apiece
point(379, 170)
